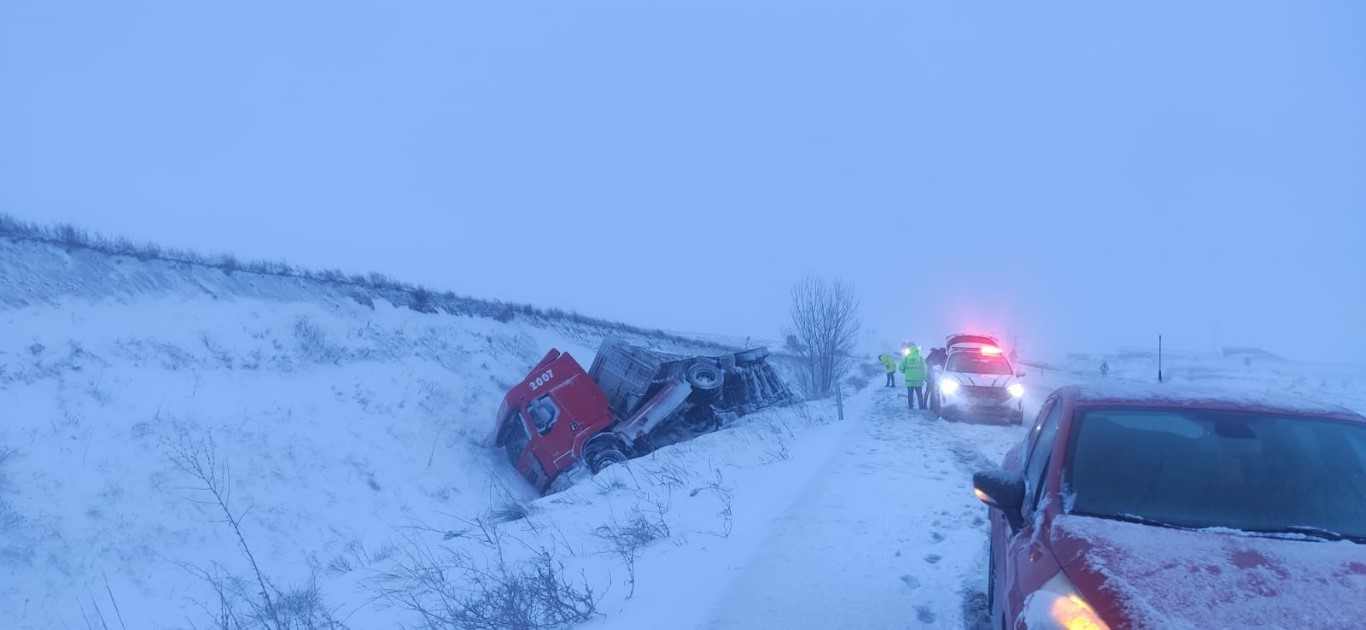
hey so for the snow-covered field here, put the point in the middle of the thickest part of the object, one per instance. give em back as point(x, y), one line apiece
point(345, 438)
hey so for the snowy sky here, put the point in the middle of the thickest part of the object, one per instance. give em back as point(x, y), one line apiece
point(1082, 176)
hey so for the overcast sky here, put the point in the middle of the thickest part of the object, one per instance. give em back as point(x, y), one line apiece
point(1084, 177)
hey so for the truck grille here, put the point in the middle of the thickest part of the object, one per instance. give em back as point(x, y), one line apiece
point(982, 395)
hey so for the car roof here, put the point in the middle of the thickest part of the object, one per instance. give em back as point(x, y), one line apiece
point(961, 338)
point(1210, 397)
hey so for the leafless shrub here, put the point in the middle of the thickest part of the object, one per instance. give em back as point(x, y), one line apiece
point(422, 301)
point(362, 299)
point(380, 281)
point(668, 474)
point(780, 450)
point(355, 556)
point(607, 484)
point(229, 263)
point(625, 540)
point(256, 602)
point(198, 459)
point(313, 343)
point(453, 589)
point(216, 350)
point(717, 486)
point(511, 511)
point(824, 330)
point(299, 608)
point(148, 251)
point(72, 237)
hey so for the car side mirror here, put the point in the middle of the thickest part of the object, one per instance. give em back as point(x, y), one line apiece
point(1002, 490)
point(1020, 374)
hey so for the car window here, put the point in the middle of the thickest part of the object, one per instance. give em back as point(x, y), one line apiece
point(1205, 468)
point(974, 363)
point(514, 437)
point(1033, 437)
point(544, 412)
point(1037, 463)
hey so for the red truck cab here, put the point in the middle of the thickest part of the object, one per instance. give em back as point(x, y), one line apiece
point(545, 420)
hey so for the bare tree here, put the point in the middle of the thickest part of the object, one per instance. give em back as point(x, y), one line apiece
point(824, 329)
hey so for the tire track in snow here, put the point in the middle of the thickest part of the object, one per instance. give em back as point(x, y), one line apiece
point(887, 536)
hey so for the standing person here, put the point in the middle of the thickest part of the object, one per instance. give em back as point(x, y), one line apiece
point(889, 362)
point(913, 372)
point(1104, 369)
point(934, 363)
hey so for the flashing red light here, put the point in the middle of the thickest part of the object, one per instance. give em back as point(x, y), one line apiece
point(991, 350)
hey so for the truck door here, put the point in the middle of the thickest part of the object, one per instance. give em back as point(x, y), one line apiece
point(556, 427)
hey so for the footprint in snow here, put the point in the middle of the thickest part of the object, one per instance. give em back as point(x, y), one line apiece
point(924, 614)
point(910, 581)
point(933, 558)
point(936, 537)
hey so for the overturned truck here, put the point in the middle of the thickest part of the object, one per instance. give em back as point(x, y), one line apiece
point(632, 401)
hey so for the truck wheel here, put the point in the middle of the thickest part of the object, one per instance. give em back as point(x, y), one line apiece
point(603, 456)
point(704, 376)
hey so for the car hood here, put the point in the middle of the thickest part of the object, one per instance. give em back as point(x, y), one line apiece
point(1163, 577)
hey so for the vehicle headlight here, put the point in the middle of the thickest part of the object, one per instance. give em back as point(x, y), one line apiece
point(1058, 605)
point(948, 386)
point(1016, 390)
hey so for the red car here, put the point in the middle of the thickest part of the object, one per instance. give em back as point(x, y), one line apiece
point(1136, 507)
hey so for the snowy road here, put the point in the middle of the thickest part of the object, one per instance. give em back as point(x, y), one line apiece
point(888, 535)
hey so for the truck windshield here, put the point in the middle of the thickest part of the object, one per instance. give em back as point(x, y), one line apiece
point(1197, 468)
point(974, 363)
point(514, 436)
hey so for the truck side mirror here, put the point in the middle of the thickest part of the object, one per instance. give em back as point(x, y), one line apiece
point(1001, 490)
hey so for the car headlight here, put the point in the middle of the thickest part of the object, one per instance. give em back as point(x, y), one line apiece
point(948, 386)
point(1016, 390)
point(1057, 605)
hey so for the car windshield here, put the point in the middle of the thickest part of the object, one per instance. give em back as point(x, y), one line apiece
point(975, 363)
point(1194, 468)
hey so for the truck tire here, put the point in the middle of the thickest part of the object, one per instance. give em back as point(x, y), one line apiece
point(704, 376)
point(602, 454)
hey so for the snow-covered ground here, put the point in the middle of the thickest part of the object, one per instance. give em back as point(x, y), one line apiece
point(339, 423)
point(346, 437)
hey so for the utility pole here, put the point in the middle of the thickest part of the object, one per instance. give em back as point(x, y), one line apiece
point(1159, 358)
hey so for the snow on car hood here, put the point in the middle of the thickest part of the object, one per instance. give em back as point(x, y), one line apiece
point(1161, 577)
